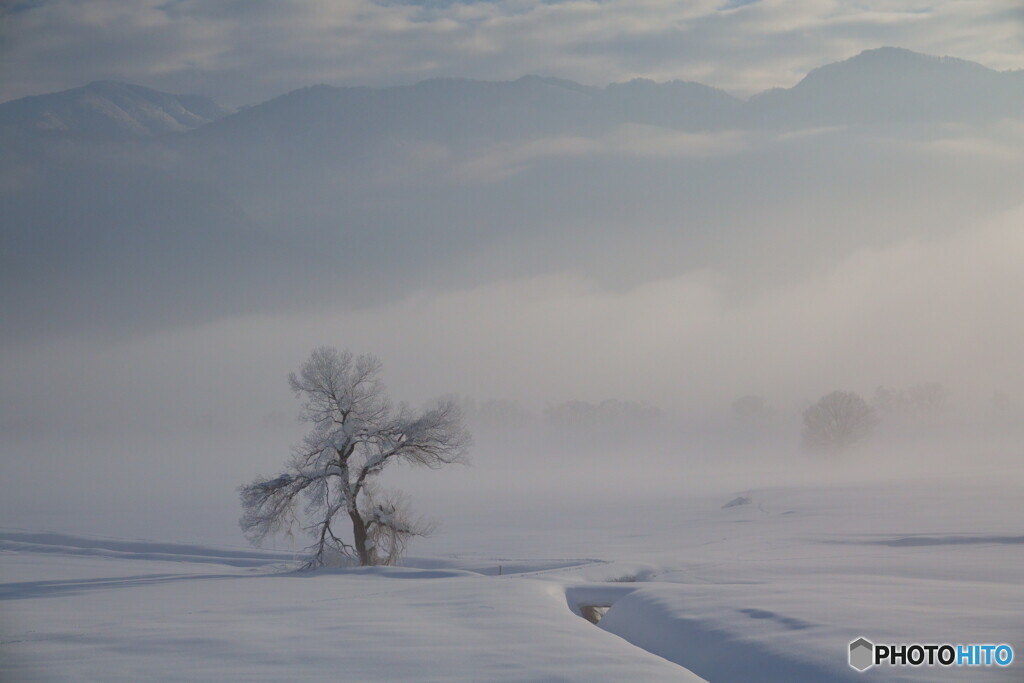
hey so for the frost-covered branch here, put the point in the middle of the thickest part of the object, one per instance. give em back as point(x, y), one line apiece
point(355, 434)
point(269, 505)
point(391, 525)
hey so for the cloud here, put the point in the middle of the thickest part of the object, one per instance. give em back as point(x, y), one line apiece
point(999, 142)
point(243, 52)
point(627, 141)
point(941, 309)
point(137, 244)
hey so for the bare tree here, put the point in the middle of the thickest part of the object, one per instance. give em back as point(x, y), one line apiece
point(921, 403)
point(355, 434)
point(837, 421)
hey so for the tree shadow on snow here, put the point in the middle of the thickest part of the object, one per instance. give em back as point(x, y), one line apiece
point(20, 590)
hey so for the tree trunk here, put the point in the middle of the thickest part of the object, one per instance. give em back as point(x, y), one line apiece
point(359, 536)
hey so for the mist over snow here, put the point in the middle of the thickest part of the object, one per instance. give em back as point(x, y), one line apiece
point(537, 241)
point(634, 273)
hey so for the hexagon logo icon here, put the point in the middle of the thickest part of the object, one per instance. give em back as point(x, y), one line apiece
point(862, 654)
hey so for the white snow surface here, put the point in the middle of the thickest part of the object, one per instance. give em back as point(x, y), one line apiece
point(770, 591)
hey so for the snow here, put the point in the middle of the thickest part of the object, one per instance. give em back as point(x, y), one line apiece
point(769, 592)
point(358, 625)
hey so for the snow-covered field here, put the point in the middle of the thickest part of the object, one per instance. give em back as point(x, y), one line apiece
point(772, 590)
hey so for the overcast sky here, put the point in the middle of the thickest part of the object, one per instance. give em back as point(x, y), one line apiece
point(245, 51)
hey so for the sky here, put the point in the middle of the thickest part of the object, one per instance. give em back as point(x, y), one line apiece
point(158, 293)
point(245, 52)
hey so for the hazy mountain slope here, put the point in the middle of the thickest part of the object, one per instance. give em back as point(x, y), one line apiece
point(676, 104)
point(452, 183)
point(886, 85)
point(109, 108)
point(324, 121)
point(96, 244)
point(893, 85)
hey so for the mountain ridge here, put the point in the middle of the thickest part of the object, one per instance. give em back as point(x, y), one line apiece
point(892, 85)
point(110, 108)
point(880, 85)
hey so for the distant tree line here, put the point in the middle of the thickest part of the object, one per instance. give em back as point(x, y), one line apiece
point(506, 414)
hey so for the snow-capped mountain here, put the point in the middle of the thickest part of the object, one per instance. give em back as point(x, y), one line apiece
point(110, 108)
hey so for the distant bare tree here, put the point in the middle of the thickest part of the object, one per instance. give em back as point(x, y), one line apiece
point(892, 404)
point(921, 403)
point(751, 411)
point(609, 413)
point(930, 400)
point(355, 434)
point(496, 414)
point(837, 421)
point(503, 415)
